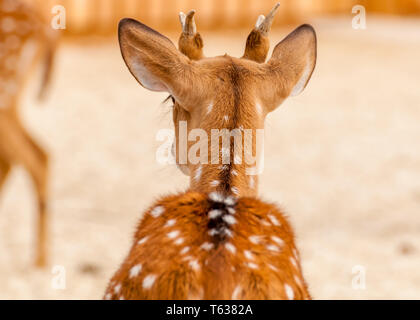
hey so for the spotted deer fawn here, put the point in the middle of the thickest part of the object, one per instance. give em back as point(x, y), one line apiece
point(24, 38)
point(217, 240)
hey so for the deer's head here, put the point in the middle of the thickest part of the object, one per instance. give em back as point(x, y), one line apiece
point(221, 92)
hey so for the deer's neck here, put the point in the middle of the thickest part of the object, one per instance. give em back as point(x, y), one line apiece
point(228, 179)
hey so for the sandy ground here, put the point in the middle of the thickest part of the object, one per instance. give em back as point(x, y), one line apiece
point(343, 159)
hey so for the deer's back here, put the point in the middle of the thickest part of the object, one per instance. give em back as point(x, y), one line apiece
point(184, 249)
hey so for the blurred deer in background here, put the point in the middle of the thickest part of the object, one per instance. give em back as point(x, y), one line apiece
point(24, 37)
point(217, 240)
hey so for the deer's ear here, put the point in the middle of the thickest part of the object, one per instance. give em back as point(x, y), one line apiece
point(291, 65)
point(154, 60)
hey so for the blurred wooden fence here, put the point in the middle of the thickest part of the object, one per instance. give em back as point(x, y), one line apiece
point(102, 16)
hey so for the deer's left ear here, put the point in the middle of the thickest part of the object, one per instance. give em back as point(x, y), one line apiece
point(155, 62)
point(291, 66)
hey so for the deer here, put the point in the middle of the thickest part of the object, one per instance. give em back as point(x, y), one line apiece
point(217, 240)
point(25, 38)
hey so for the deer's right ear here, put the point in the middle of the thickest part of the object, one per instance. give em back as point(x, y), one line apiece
point(291, 66)
point(154, 60)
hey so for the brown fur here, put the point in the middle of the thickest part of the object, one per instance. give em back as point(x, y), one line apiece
point(17, 147)
point(202, 244)
point(257, 46)
point(191, 46)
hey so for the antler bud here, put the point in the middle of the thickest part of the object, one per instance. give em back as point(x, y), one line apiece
point(188, 23)
point(190, 42)
point(257, 43)
point(263, 24)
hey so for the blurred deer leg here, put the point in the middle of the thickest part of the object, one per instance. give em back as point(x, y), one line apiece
point(39, 174)
point(35, 161)
point(4, 171)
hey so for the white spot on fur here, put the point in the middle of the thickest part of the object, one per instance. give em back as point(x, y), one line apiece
point(216, 197)
point(252, 265)
point(249, 255)
point(185, 250)
point(295, 253)
point(229, 219)
point(298, 281)
point(214, 214)
point(135, 271)
point(273, 267)
point(266, 223)
point(179, 241)
point(231, 210)
point(213, 232)
point(149, 281)
point(234, 172)
point(230, 201)
point(207, 246)
point(274, 220)
point(143, 240)
point(122, 298)
point(258, 108)
point(273, 248)
point(170, 223)
point(228, 232)
point(173, 234)
point(255, 239)
point(235, 190)
point(194, 265)
point(117, 288)
point(289, 292)
point(157, 211)
point(230, 247)
point(215, 183)
point(277, 240)
point(236, 293)
point(210, 108)
point(226, 118)
point(293, 261)
point(198, 173)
